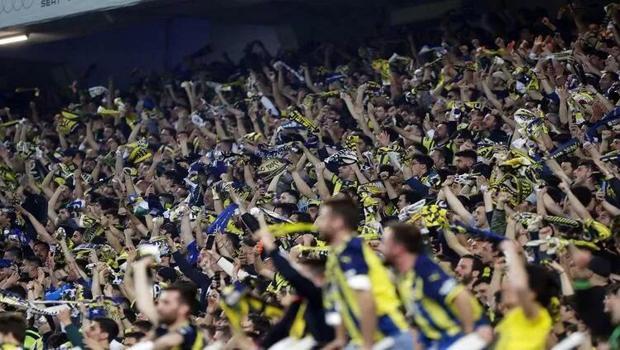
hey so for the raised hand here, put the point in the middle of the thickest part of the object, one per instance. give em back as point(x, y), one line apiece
point(562, 93)
point(383, 138)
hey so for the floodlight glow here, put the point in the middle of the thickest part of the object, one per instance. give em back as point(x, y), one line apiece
point(13, 39)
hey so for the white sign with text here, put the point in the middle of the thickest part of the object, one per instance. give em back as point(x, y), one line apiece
point(17, 12)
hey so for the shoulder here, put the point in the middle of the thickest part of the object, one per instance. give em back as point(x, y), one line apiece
point(189, 332)
point(355, 244)
point(352, 259)
point(425, 267)
point(354, 247)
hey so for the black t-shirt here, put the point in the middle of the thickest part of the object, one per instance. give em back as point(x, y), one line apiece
point(192, 338)
point(37, 206)
point(609, 253)
point(590, 309)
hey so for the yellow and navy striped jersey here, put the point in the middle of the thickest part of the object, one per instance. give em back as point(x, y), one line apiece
point(340, 184)
point(354, 266)
point(277, 284)
point(428, 292)
point(33, 340)
point(192, 337)
point(431, 144)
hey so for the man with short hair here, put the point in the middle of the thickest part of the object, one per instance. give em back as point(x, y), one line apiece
point(12, 331)
point(41, 250)
point(491, 128)
point(288, 197)
point(407, 197)
point(358, 283)
point(30, 266)
point(469, 269)
point(583, 174)
point(423, 176)
point(443, 310)
point(101, 330)
point(465, 160)
point(171, 314)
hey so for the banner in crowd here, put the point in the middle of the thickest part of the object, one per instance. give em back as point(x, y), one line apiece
point(17, 12)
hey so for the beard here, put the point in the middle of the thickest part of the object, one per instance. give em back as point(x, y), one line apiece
point(324, 235)
point(467, 279)
point(167, 319)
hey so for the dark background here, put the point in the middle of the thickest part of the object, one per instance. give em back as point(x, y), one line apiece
point(158, 35)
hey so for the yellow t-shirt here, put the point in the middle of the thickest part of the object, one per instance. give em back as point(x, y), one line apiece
point(517, 332)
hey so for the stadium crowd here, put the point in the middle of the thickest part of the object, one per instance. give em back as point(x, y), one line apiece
point(458, 196)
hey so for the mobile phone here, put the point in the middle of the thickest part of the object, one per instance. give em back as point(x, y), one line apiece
point(210, 241)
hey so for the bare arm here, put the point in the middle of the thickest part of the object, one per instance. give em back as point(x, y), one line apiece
point(143, 290)
point(565, 281)
point(357, 115)
point(247, 176)
point(358, 173)
point(564, 113)
point(135, 131)
point(118, 164)
point(110, 235)
point(321, 184)
point(406, 135)
point(540, 202)
point(45, 185)
point(456, 205)
point(368, 316)
point(188, 87)
point(465, 314)
point(62, 139)
point(273, 185)
point(78, 191)
point(277, 95)
point(488, 201)
point(95, 287)
point(90, 138)
point(454, 243)
point(552, 206)
point(186, 228)
point(557, 170)
point(38, 227)
point(517, 277)
point(70, 260)
point(308, 78)
point(174, 97)
point(315, 161)
point(575, 203)
point(51, 204)
point(491, 96)
point(610, 208)
point(239, 116)
point(219, 128)
point(137, 224)
point(389, 189)
point(302, 186)
point(371, 116)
